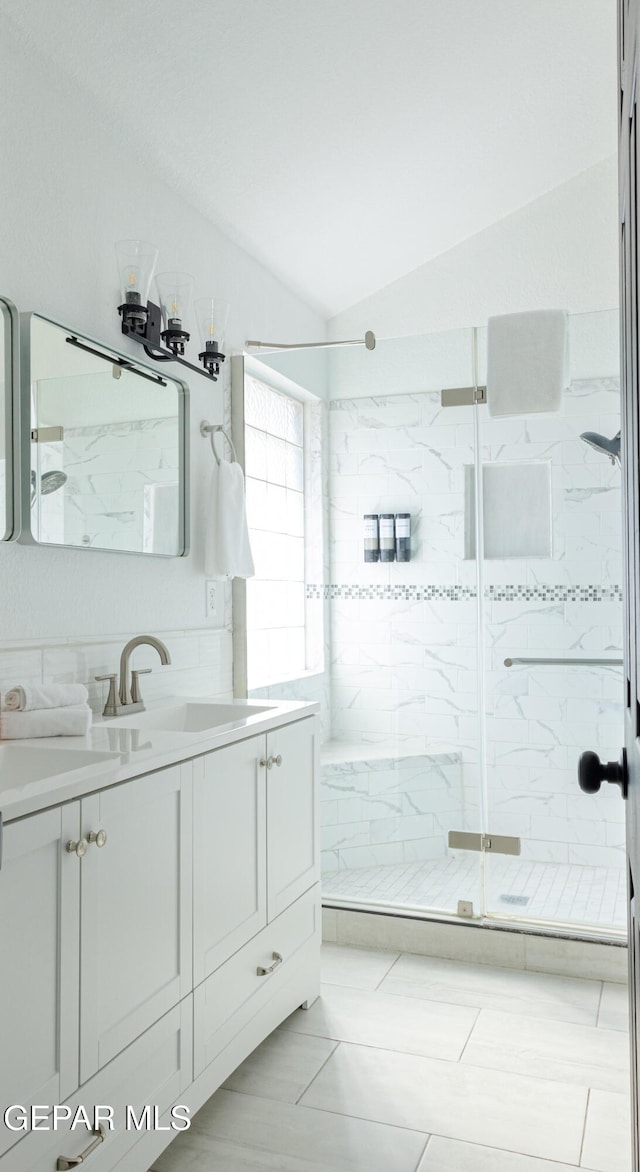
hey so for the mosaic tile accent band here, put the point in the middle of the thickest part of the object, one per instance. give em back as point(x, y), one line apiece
point(506, 593)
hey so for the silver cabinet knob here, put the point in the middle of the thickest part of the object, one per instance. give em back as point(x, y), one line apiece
point(266, 762)
point(79, 848)
point(277, 760)
point(99, 837)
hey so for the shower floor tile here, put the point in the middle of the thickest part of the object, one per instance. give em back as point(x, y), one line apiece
point(560, 892)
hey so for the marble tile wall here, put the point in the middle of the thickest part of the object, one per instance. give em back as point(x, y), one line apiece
point(405, 653)
point(103, 502)
point(385, 810)
point(201, 663)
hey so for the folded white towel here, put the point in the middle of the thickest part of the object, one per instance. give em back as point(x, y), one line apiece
point(228, 552)
point(46, 722)
point(24, 698)
point(527, 362)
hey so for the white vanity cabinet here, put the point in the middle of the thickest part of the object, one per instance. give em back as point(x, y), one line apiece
point(292, 831)
point(39, 970)
point(256, 904)
point(142, 968)
point(135, 924)
point(229, 852)
point(255, 838)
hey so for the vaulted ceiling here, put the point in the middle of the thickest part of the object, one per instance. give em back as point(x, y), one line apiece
point(345, 142)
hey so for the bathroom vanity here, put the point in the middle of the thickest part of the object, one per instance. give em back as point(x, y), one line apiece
point(159, 917)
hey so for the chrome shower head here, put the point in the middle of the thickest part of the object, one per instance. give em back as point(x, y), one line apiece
point(608, 447)
point(52, 481)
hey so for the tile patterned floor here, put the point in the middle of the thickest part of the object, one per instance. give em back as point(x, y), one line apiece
point(416, 1064)
point(569, 894)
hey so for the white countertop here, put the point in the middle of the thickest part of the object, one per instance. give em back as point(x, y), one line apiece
point(126, 752)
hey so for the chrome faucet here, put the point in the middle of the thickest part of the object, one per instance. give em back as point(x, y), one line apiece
point(127, 698)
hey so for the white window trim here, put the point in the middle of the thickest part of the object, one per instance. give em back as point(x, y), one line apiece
point(242, 365)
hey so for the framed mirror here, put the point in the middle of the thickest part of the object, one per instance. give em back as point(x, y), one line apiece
point(8, 383)
point(103, 450)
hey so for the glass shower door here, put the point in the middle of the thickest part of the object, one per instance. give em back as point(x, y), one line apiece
point(401, 768)
point(552, 571)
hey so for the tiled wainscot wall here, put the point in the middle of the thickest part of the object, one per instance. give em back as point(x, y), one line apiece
point(405, 667)
point(201, 663)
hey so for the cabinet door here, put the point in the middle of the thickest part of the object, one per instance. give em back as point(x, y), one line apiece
point(229, 883)
point(292, 825)
point(135, 943)
point(39, 907)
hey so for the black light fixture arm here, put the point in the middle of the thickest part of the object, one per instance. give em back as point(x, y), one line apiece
point(145, 328)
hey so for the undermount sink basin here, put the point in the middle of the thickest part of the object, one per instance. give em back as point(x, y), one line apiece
point(20, 764)
point(191, 717)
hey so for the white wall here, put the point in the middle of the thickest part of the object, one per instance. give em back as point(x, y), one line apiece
point(561, 250)
point(68, 190)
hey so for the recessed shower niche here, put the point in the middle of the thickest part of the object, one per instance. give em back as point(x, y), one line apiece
point(516, 508)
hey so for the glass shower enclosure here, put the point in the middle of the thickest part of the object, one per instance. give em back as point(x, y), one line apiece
point(466, 682)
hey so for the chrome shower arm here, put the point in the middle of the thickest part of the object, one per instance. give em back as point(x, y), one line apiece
point(369, 341)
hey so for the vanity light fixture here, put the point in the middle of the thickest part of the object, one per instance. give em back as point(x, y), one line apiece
point(143, 320)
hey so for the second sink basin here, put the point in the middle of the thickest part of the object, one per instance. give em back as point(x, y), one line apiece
point(21, 765)
point(191, 716)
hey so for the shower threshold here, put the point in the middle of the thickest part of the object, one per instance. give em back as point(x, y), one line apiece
point(559, 898)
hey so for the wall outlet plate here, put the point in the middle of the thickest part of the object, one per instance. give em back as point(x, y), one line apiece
point(211, 598)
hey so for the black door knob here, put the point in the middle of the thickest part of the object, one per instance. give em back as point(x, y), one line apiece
point(592, 772)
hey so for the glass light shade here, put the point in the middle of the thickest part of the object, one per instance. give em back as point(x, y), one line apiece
point(212, 314)
point(175, 291)
point(136, 261)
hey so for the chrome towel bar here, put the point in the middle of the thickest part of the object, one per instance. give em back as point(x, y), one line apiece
point(566, 662)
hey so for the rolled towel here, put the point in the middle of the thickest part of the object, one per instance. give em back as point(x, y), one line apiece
point(26, 697)
point(46, 722)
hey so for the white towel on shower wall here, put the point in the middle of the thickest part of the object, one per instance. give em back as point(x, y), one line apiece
point(527, 362)
point(227, 550)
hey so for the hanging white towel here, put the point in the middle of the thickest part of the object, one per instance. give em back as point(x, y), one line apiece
point(527, 362)
point(25, 697)
point(46, 722)
point(228, 551)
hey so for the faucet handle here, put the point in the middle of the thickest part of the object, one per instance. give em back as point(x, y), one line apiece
point(136, 698)
point(111, 706)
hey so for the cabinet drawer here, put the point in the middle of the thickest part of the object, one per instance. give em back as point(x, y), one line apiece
point(237, 991)
point(155, 1070)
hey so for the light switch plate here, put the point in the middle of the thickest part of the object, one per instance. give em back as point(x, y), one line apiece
point(211, 599)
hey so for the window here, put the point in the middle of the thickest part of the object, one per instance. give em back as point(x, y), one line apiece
point(275, 467)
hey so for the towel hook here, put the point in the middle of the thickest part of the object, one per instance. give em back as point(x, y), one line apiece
point(211, 430)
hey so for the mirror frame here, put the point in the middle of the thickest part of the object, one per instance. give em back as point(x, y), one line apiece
point(22, 434)
point(11, 329)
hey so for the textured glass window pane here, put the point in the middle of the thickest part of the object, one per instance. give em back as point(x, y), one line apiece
point(294, 467)
point(276, 413)
point(296, 647)
point(296, 603)
point(295, 422)
point(277, 508)
point(295, 559)
point(295, 513)
point(255, 412)
point(276, 460)
point(257, 504)
point(255, 448)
